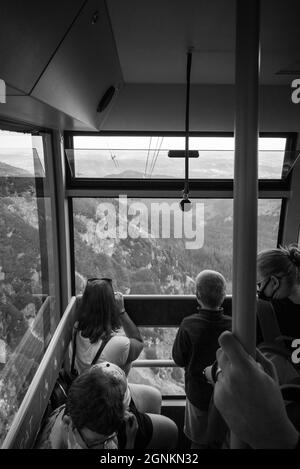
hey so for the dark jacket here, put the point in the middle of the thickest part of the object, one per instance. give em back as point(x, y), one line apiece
point(195, 348)
point(288, 317)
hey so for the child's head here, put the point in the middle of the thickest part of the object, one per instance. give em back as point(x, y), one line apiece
point(210, 289)
point(95, 401)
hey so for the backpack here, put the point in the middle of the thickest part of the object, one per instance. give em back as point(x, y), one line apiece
point(275, 345)
point(65, 378)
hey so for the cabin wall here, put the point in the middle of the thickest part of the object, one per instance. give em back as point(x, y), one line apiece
point(68, 67)
point(158, 108)
point(162, 107)
point(291, 225)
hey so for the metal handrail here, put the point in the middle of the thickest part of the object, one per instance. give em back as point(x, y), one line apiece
point(39, 390)
point(157, 363)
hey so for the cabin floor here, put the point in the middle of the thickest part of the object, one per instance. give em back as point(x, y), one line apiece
point(174, 409)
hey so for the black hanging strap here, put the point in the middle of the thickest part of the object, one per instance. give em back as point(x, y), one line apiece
point(73, 369)
point(187, 113)
point(104, 342)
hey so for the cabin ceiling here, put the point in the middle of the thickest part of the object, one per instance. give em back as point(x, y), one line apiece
point(59, 60)
point(152, 39)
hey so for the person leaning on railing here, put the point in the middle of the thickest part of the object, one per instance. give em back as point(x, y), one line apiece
point(101, 318)
point(195, 348)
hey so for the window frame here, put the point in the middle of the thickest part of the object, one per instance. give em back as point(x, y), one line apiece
point(175, 184)
point(45, 188)
point(168, 188)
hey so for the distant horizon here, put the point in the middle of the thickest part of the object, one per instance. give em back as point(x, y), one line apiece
point(145, 156)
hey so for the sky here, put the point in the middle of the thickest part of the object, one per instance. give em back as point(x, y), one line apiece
point(105, 155)
point(216, 156)
point(16, 149)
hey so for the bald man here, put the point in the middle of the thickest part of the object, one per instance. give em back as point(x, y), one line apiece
point(195, 348)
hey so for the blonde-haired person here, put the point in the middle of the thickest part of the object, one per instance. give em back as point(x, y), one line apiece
point(278, 280)
point(195, 348)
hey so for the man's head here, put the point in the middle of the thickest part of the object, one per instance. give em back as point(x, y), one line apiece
point(95, 402)
point(210, 289)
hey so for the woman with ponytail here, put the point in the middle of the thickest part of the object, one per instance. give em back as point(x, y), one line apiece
point(279, 281)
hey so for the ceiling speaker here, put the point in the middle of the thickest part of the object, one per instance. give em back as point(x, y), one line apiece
point(106, 99)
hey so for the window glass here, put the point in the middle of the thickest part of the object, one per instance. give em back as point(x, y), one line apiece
point(168, 380)
point(21, 155)
point(162, 264)
point(147, 246)
point(28, 315)
point(158, 343)
point(140, 157)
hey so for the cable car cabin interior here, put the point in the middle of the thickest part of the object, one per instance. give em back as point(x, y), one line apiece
point(142, 142)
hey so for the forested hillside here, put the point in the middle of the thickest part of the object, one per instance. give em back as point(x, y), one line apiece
point(137, 266)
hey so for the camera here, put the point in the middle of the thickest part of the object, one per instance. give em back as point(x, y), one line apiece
point(211, 373)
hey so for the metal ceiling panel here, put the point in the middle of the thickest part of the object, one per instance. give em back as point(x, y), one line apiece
point(83, 68)
point(155, 35)
point(30, 111)
point(30, 31)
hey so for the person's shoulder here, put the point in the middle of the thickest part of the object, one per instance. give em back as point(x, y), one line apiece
point(119, 339)
point(190, 321)
point(290, 304)
point(227, 318)
point(118, 336)
point(227, 321)
point(83, 341)
point(284, 305)
point(50, 426)
point(187, 320)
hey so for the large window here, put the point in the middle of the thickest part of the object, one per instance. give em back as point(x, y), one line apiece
point(147, 157)
point(126, 240)
point(147, 245)
point(28, 314)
